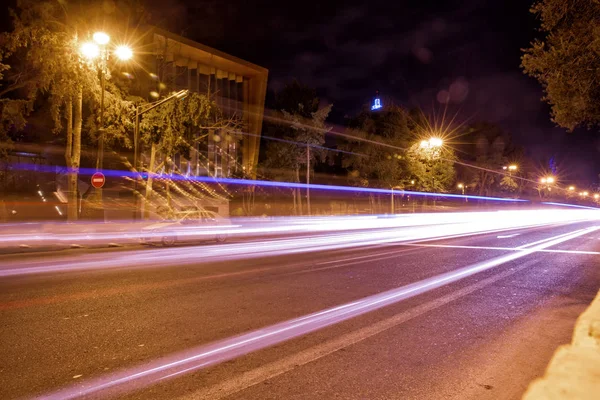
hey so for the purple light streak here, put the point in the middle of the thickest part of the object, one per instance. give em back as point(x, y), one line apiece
point(211, 354)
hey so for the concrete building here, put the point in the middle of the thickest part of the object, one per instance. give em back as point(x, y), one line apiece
point(237, 86)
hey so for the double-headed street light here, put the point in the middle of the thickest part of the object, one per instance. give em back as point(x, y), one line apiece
point(97, 50)
point(549, 180)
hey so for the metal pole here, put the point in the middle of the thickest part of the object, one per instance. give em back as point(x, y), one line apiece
point(136, 135)
point(392, 208)
point(308, 178)
point(100, 161)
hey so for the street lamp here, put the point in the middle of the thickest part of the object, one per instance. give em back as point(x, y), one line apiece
point(597, 196)
point(139, 111)
point(512, 167)
point(92, 50)
point(571, 188)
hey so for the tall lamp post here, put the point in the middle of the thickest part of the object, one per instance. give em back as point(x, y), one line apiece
point(97, 49)
point(139, 111)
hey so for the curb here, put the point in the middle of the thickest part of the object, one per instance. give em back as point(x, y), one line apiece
point(574, 371)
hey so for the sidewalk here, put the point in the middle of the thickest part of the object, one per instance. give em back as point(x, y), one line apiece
point(574, 371)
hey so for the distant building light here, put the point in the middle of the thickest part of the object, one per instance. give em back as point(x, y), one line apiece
point(376, 104)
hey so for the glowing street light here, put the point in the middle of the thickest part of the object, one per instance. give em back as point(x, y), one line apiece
point(597, 196)
point(123, 53)
point(101, 38)
point(435, 142)
point(550, 179)
point(89, 50)
point(512, 167)
point(571, 188)
point(543, 180)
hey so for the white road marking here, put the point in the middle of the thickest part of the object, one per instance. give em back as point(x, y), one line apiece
point(233, 347)
point(507, 236)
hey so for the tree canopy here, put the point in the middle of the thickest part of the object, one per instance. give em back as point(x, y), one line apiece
point(565, 61)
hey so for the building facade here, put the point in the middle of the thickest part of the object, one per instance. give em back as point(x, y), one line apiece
point(237, 86)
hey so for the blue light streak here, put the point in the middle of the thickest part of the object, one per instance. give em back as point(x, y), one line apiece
point(290, 185)
point(570, 205)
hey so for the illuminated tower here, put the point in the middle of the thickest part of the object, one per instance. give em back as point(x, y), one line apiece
point(376, 102)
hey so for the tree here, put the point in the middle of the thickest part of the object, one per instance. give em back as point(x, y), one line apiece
point(298, 127)
point(175, 128)
point(431, 169)
point(565, 62)
point(488, 148)
point(39, 58)
point(375, 152)
point(40, 62)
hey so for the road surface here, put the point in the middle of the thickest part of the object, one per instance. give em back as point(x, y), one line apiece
point(483, 322)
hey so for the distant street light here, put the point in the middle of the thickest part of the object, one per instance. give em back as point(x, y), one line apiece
point(571, 188)
point(597, 196)
point(462, 187)
point(123, 53)
point(549, 180)
point(512, 167)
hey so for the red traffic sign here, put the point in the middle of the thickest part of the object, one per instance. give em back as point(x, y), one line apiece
point(98, 180)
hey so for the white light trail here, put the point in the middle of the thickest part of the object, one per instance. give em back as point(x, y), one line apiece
point(228, 349)
point(312, 235)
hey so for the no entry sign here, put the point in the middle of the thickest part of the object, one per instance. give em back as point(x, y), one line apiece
point(98, 180)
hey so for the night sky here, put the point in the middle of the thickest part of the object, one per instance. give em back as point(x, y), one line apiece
point(415, 52)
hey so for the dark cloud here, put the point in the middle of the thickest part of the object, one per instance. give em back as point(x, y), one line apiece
point(465, 53)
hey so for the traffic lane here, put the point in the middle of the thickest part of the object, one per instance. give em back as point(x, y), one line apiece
point(122, 352)
point(156, 258)
point(516, 238)
point(47, 346)
point(126, 328)
point(486, 345)
point(47, 288)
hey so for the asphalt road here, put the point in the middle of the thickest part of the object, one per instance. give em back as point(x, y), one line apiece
point(484, 336)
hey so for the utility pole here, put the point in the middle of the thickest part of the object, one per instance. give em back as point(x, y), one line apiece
point(308, 178)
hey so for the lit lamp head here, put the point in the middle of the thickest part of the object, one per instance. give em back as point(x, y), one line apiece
point(89, 50)
point(571, 188)
point(436, 142)
point(123, 53)
point(550, 179)
point(543, 180)
point(597, 196)
point(460, 186)
point(512, 167)
point(101, 38)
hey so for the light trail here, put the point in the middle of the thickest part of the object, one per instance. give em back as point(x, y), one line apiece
point(62, 234)
point(347, 233)
point(290, 185)
point(231, 348)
